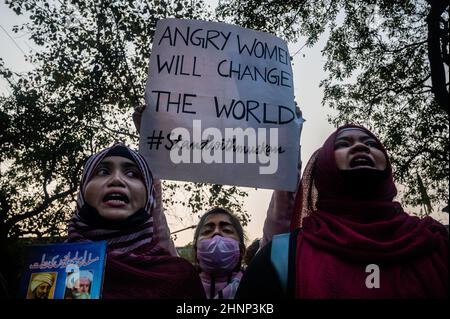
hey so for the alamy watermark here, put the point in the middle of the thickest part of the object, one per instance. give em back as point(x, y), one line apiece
point(209, 145)
point(373, 280)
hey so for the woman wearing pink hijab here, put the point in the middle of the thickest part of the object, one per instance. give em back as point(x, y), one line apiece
point(117, 203)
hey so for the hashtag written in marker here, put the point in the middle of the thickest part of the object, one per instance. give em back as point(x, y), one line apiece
point(155, 140)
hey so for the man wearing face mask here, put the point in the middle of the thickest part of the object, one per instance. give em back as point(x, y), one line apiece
point(219, 247)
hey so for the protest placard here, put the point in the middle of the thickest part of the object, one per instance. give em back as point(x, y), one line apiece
point(220, 106)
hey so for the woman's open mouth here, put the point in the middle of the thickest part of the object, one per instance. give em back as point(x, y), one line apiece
point(361, 160)
point(116, 199)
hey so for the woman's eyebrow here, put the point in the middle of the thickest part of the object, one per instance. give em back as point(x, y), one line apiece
point(344, 138)
point(128, 165)
point(367, 137)
point(221, 224)
point(210, 224)
point(349, 139)
point(104, 163)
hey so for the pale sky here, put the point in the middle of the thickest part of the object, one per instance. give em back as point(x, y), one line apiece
point(307, 71)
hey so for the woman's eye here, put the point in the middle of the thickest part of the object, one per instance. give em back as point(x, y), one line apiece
point(132, 173)
point(341, 145)
point(205, 231)
point(102, 171)
point(228, 231)
point(372, 144)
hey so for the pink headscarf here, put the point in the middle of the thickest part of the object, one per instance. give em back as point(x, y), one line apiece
point(137, 267)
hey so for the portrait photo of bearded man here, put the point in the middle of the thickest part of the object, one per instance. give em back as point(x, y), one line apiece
point(78, 285)
point(41, 286)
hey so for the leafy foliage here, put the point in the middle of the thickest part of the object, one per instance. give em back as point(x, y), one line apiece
point(387, 63)
point(203, 197)
point(89, 74)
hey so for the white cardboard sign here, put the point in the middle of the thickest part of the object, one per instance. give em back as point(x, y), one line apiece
point(220, 106)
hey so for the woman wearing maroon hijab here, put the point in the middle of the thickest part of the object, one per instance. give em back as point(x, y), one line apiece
point(116, 203)
point(349, 238)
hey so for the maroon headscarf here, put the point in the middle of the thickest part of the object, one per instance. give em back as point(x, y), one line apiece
point(136, 266)
point(352, 224)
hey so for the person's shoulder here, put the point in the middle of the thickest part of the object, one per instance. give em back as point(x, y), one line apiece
point(427, 222)
point(435, 226)
point(430, 227)
point(183, 264)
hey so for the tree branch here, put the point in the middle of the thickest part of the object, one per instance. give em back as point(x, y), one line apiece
point(411, 45)
point(300, 8)
point(5, 207)
point(435, 56)
point(404, 167)
point(444, 42)
point(46, 203)
point(135, 99)
point(6, 227)
point(398, 91)
point(103, 124)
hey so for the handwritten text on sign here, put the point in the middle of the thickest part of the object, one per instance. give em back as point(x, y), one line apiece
point(220, 106)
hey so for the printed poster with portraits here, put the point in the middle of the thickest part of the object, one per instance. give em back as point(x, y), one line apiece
point(63, 271)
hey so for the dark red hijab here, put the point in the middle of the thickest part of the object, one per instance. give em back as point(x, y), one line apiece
point(136, 266)
point(354, 225)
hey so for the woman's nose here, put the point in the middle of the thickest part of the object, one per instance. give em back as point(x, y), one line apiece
point(360, 147)
point(116, 179)
point(216, 231)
